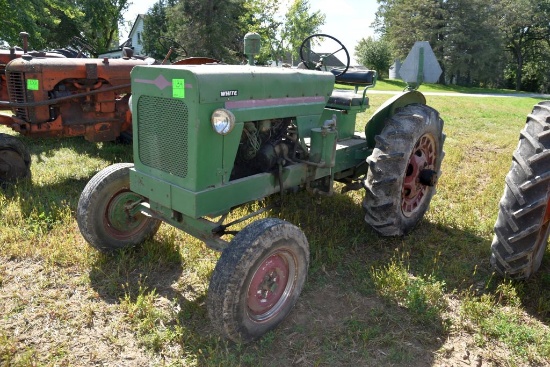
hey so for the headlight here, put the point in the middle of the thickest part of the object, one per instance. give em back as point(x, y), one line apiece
point(130, 104)
point(223, 121)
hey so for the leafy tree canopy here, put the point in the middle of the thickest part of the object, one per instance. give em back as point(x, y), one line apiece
point(374, 54)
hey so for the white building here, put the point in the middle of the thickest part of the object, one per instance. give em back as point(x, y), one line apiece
point(134, 41)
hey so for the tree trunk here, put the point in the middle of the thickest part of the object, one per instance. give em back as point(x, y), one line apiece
point(519, 71)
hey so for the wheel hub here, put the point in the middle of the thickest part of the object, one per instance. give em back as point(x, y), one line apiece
point(268, 288)
point(117, 215)
point(420, 175)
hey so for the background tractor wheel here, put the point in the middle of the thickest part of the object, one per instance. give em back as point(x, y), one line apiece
point(403, 170)
point(15, 160)
point(103, 211)
point(522, 226)
point(258, 279)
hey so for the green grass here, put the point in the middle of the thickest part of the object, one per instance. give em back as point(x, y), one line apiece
point(424, 299)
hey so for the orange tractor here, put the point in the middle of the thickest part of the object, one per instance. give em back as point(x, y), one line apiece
point(65, 97)
point(13, 53)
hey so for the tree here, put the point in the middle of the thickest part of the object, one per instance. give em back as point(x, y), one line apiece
point(472, 43)
point(536, 76)
point(155, 29)
point(49, 23)
point(281, 36)
point(523, 25)
point(374, 54)
point(261, 16)
point(300, 24)
point(403, 22)
point(101, 21)
point(478, 42)
point(209, 28)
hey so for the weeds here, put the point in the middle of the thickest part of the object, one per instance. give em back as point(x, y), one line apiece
point(423, 296)
point(499, 316)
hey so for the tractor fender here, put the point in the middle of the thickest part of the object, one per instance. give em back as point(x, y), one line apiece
point(376, 123)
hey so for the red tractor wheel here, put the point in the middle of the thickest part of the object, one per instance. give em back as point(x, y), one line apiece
point(258, 279)
point(104, 213)
point(523, 223)
point(403, 170)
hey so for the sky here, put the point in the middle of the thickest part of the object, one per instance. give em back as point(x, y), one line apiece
point(347, 20)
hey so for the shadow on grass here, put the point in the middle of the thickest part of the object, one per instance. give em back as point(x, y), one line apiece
point(43, 148)
point(152, 266)
point(62, 191)
point(165, 308)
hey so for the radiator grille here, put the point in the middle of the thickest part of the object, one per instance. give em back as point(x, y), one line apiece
point(163, 136)
point(16, 89)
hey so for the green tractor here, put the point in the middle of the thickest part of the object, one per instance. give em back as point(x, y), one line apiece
point(211, 138)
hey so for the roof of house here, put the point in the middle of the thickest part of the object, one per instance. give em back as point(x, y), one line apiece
point(128, 40)
point(142, 16)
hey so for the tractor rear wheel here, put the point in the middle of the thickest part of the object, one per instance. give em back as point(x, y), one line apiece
point(258, 279)
point(523, 223)
point(104, 213)
point(15, 160)
point(403, 170)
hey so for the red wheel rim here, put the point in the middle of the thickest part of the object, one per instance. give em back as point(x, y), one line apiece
point(118, 221)
point(271, 286)
point(414, 192)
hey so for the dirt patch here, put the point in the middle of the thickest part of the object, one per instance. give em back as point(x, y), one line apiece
point(53, 315)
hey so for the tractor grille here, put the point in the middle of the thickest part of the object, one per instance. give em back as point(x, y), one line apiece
point(16, 89)
point(163, 137)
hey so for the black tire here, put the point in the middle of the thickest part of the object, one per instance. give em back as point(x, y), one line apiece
point(403, 170)
point(522, 226)
point(258, 279)
point(15, 159)
point(102, 214)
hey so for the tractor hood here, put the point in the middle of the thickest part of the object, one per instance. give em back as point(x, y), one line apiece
point(180, 144)
point(242, 86)
point(51, 71)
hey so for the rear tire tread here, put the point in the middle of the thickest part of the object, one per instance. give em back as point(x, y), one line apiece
point(520, 235)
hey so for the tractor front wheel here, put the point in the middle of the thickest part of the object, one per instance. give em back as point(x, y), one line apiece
point(403, 170)
point(15, 160)
point(258, 279)
point(104, 213)
point(523, 223)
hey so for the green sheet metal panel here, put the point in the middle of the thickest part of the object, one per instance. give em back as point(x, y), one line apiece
point(173, 104)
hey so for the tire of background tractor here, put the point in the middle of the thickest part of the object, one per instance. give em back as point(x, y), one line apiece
point(258, 279)
point(102, 212)
point(15, 160)
point(522, 226)
point(403, 170)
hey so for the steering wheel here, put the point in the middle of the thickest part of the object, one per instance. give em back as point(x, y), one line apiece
point(306, 52)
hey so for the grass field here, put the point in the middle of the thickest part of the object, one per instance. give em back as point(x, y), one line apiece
point(427, 299)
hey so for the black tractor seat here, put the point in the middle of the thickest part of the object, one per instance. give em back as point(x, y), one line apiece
point(345, 98)
point(341, 98)
point(355, 77)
